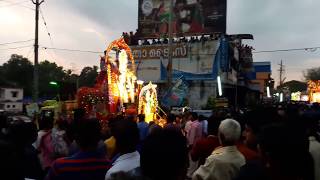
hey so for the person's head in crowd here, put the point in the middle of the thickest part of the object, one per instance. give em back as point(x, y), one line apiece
point(164, 155)
point(10, 164)
point(171, 118)
point(153, 127)
point(111, 125)
point(126, 135)
point(62, 123)
point(131, 118)
point(46, 123)
point(201, 118)
point(141, 117)
point(3, 124)
point(253, 122)
point(312, 125)
point(278, 146)
point(213, 125)
point(87, 134)
point(22, 133)
point(78, 114)
point(193, 116)
point(178, 119)
point(229, 132)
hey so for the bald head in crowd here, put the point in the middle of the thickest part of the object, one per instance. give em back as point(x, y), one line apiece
point(229, 132)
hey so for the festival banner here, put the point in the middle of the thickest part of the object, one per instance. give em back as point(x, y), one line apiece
point(189, 17)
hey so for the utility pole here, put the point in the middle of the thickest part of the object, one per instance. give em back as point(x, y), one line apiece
point(169, 68)
point(281, 74)
point(36, 48)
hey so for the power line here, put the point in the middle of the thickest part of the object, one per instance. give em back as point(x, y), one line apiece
point(46, 26)
point(29, 52)
point(17, 4)
point(256, 52)
point(13, 4)
point(287, 50)
point(73, 50)
point(19, 47)
point(15, 42)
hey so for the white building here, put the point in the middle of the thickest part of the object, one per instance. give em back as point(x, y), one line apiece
point(11, 99)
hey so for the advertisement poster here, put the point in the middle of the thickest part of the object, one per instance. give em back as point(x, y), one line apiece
point(189, 17)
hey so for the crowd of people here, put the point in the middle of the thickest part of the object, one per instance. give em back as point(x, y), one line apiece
point(132, 39)
point(267, 142)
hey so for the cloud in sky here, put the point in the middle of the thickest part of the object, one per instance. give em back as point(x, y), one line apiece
point(91, 25)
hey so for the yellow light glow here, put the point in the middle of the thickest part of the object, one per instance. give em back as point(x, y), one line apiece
point(148, 102)
point(296, 96)
point(315, 97)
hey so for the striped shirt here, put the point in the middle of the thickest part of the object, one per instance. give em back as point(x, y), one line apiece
point(80, 166)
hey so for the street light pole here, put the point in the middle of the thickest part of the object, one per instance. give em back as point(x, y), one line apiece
point(36, 48)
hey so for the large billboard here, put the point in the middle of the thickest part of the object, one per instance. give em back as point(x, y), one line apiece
point(189, 17)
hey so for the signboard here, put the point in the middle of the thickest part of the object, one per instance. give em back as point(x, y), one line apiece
point(197, 64)
point(158, 51)
point(189, 17)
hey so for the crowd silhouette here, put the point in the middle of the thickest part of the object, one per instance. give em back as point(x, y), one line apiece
point(269, 142)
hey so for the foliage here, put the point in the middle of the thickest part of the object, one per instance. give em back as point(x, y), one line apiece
point(18, 72)
point(312, 74)
point(294, 86)
point(211, 103)
point(88, 76)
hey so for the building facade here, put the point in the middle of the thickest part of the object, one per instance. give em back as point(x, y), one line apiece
point(11, 99)
point(198, 63)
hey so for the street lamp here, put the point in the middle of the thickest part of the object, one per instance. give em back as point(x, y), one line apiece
point(219, 86)
point(281, 97)
point(53, 83)
point(268, 92)
point(56, 85)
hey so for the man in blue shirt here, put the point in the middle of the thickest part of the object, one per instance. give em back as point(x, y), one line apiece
point(143, 127)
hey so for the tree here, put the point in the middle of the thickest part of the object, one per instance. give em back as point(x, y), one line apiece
point(295, 86)
point(312, 74)
point(88, 76)
point(70, 77)
point(48, 72)
point(18, 72)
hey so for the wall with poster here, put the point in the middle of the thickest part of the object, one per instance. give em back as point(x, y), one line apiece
point(193, 61)
point(188, 17)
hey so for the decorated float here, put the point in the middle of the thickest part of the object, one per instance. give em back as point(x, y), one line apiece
point(314, 91)
point(117, 89)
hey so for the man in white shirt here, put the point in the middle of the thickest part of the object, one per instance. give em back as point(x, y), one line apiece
point(127, 138)
point(224, 163)
point(314, 145)
point(314, 148)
